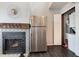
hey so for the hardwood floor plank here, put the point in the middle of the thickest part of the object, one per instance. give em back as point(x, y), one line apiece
point(54, 51)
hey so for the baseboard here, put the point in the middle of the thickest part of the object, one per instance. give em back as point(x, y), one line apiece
point(49, 45)
point(13, 55)
point(77, 54)
point(73, 53)
point(53, 45)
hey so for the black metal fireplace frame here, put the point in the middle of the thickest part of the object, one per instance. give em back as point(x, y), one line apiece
point(8, 35)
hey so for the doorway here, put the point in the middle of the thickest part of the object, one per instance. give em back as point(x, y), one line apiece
point(68, 27)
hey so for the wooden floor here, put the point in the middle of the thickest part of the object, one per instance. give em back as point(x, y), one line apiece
point(54, 51)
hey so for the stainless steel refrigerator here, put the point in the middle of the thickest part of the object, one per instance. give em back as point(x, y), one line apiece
point(38, 34)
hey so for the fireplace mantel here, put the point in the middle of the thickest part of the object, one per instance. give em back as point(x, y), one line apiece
point(14, 26)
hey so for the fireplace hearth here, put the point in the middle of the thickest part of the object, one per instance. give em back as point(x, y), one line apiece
point(14, 42)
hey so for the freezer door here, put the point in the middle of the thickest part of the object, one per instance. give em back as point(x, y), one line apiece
point(38, 21)
point(38, 40)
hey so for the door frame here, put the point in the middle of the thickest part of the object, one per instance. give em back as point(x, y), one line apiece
point(62, 22)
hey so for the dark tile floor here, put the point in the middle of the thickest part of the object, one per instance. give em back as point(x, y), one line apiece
point(54, 51)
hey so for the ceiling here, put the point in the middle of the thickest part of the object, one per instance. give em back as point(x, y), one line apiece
point(42, 6)
point(58, 5)
point(39, 8)
point(38, 5)
point(51, 5)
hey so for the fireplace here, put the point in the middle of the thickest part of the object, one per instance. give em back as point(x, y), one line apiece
point(14, 42)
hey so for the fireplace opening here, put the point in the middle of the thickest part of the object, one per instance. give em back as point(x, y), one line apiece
point(13, 42)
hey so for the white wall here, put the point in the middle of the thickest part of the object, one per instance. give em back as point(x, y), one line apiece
point(72, 19)
point(77, 28)
point(23, 9)
point(50, 30)
point(57, 29)
point(71, 37)
point(71, 41)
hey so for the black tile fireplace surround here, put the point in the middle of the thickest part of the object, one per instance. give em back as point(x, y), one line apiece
point(14, 42)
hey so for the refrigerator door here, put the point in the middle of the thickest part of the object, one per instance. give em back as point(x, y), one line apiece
point(34, 39)
point(38, 21)
point(38, 39)
point(41, 41)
